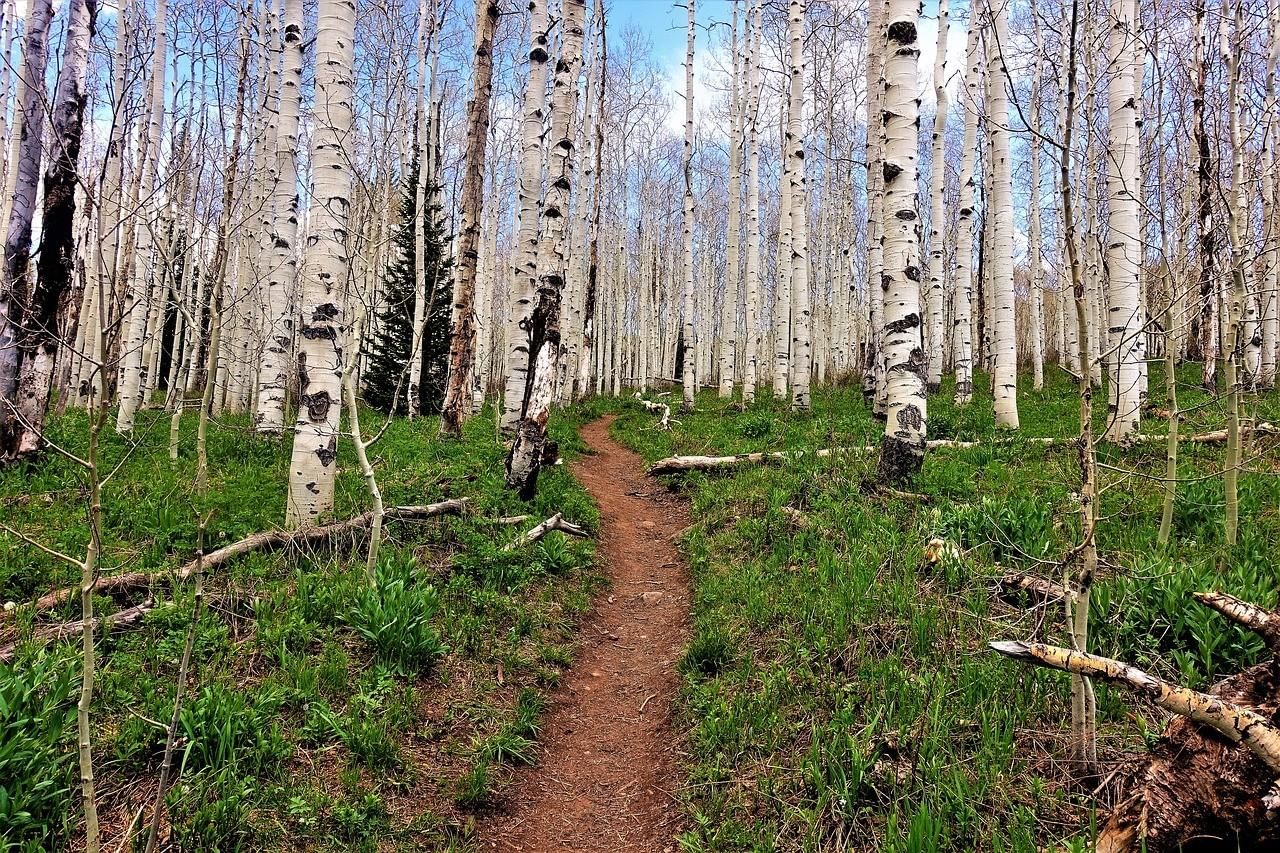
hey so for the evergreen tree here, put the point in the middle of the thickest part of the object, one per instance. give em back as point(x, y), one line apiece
point(388, 349)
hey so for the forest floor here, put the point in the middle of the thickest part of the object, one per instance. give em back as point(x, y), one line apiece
point(607, 775)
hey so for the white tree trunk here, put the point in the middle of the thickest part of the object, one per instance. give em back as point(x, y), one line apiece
point(801, 368)
point(322, 337)
point(729, 306)
point(1004, 380)
point(937, 211)
point(1123, 246)
point(1034, 259)
point(273, 373)
point(902, 452)
point(690, 342)
point(751, 123)
point(962, 287)
point(524, 285)
point(782, 288)
point(1270, 317)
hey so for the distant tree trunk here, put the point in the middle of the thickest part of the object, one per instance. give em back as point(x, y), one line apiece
point(690, 340)
point(962, 288)
point(1004, 379)
point(142, 276)
point(902, 452)
point(1034, 259)
point(524, 284)
point(782, 288)
point(751, 122)
point(273, 374)
point(462, 338)
point(937, 211)
point(29, 137)
point(1270, 316)
point(527, 451)
point(729, 307)
point(1238, 222)
point(38, 339)
point(321, 354)
point(1208, 313)
point(802, 344)
point(873, 381)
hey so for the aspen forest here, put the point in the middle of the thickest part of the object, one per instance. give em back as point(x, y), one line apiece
point(637, 426)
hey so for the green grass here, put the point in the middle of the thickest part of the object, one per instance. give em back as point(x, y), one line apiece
point(838, 694)
point(322, 713)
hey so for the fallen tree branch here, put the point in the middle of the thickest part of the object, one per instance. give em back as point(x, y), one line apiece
point(130, 617)
point(555, 522)
point(684, 464)
point(1041, 590)
point(1234, 722)
point(664, 420)
point(267, 541)
point(1262, 622)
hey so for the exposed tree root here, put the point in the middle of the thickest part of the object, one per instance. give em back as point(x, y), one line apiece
point(662, 409)
point(555, 522)
point(271, 540)
point(1200, 789)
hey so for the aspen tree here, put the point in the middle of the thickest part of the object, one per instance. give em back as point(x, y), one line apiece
point(1270, 298)
point(801, 343)
point(525, 458)
point(141, 274)
point(690, 342)
point(751, 122)
point(1004, 380)
point(1034, 259)
point(1208, 295)
point(937, 211)
point(875, 381)
point(1238, 217)
point(729, 307)
point(424, 194)
point(325, 263)
point(962, 288)
point(463, 333)
point(1123, 248)
point(589, 331)
point(902, 451)
point(28, 133)
point(781, 326)
point(273, 373)
point(524, 285)
point(38, 338)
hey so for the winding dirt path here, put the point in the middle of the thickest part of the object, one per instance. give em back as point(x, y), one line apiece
point(607, 773)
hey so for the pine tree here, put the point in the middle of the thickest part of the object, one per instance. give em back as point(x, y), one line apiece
point(388, 349)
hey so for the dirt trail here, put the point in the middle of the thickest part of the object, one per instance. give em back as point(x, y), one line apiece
point(607, 772)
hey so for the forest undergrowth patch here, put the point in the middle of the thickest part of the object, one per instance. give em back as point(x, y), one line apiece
point(322, 712)
point(839, 691)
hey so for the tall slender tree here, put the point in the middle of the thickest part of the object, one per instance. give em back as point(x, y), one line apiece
point(801, 324)
point(688, 336)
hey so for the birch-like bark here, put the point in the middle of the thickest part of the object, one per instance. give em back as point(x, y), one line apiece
point(1238, 219)
point(782, 287)
point(962, 289)
point(751, 121)
point(1123, 247)
point(322, 338)
point(142, 272)
point(874, 383)
point(801, 344)
point(38, 338)
point(729, 306)
point(457, 399)
point(690, 341)
point(1208, 298)
point(28, 133)
point(524, 284)
point(1269, 298)
point(273, 373)
point(1034, 258)
point(525, 458)
point(1004, 380)
point(937, 210)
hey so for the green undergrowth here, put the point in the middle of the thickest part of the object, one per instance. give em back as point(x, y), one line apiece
point(838, 690)
point(322, 712)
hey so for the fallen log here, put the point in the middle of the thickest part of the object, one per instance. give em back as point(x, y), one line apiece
point(685, 464)
point(130, 617)
point(267, 541)
point(555, 522)
point(1040, 590)
point(1198, 782)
